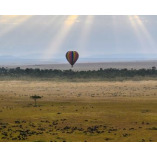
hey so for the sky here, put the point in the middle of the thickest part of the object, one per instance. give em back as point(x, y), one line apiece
point(96, 38)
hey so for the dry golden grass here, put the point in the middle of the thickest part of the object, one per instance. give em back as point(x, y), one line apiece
point(91, 111)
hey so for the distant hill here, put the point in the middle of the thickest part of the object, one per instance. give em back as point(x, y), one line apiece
point(88, 66)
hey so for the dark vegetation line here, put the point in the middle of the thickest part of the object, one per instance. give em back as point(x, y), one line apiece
point(101, 74)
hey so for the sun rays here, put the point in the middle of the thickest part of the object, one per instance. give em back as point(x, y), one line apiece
point(64, 31)
point(11, 22)
point(142, 34)
point(59, 38)
point(86, 29)
point(145, 39)
point(53, 35)
point(61, 24)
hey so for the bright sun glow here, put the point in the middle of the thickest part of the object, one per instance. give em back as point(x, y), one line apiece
point(71, 20)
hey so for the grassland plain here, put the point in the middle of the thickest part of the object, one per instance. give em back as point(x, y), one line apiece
point(78, 111)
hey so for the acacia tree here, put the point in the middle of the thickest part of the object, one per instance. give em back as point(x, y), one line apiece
point(35, 97)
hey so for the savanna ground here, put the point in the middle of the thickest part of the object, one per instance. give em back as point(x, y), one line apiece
point(77, 111)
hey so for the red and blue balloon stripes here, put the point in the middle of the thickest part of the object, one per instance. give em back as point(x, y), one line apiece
point(72, 57)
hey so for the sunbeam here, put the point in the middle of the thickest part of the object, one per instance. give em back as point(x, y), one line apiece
point(9, 22)
point(142, 34)
point(86, 29)
point(49, 37)
point(136, 30)
point(145, 31)
point(115, 30)
point(60, 36)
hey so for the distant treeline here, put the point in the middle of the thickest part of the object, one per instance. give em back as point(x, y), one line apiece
point(101, 74)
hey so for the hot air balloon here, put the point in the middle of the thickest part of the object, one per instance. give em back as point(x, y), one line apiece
point(72, 57)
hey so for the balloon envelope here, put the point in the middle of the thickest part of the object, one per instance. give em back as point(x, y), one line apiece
point(72, 57)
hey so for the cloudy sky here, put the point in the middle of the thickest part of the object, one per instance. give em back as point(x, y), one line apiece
point(96, 38)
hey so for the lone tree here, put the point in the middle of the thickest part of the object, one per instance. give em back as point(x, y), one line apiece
point(35, 97)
